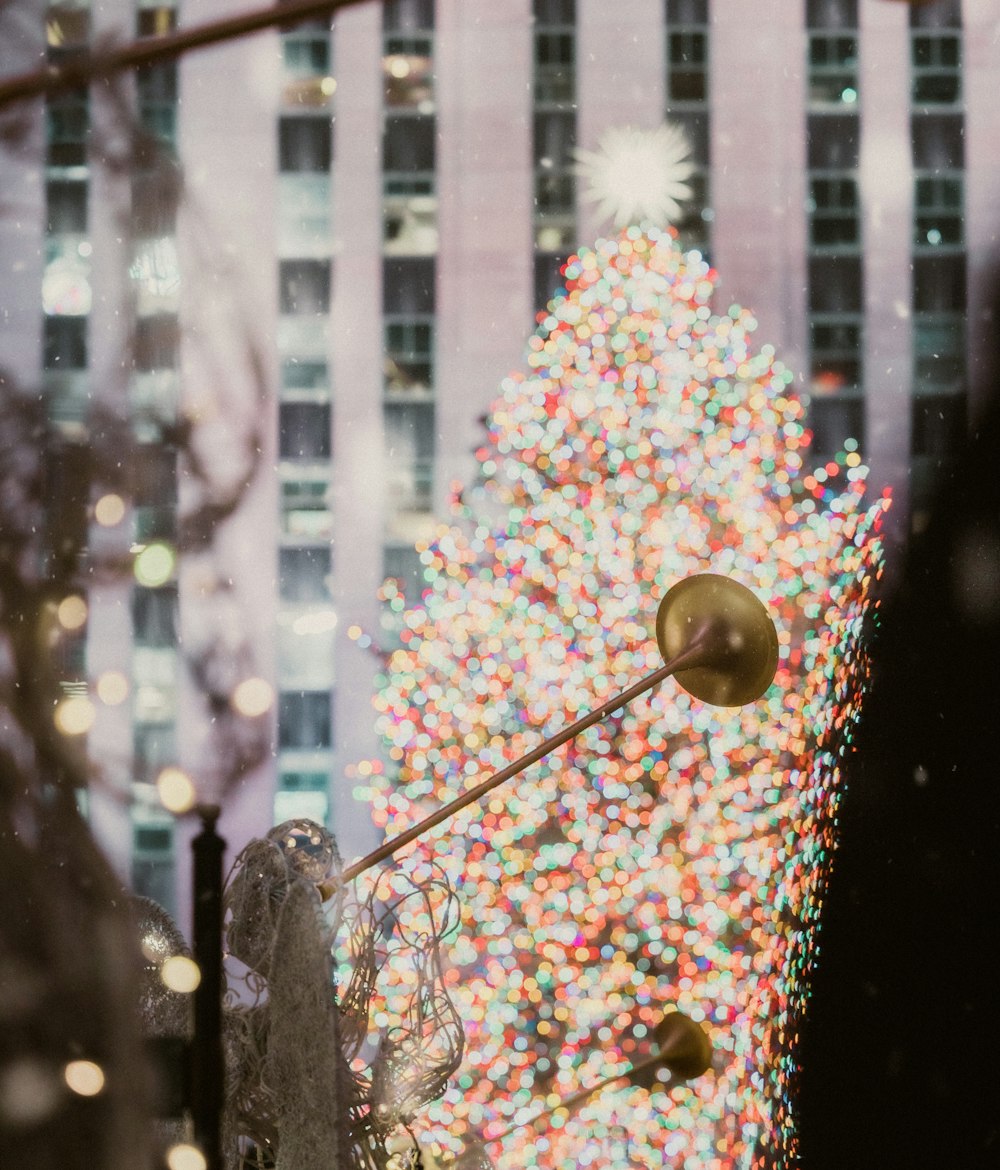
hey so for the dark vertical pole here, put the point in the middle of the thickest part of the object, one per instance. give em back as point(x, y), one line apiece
point(207, 1069)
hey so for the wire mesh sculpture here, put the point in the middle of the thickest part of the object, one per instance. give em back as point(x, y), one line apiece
point(310, 1083)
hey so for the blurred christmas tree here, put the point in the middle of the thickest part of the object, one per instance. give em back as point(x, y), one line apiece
point(674, 855)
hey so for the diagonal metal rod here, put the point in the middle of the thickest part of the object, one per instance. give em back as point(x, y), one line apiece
point(690, 657)
point(575, 1099)
point(79, 71)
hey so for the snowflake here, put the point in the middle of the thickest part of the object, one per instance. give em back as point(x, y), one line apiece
point(637, 175)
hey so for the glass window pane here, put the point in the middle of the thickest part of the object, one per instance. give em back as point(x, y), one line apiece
point(66, 204)
point(408, 143)
point(304, 144)
point(835, 284)
point(305, 720)
point(832, 142)
point(64, 343)
point(407, 14)
point(832, 420)
point(304, 430)
point(408, 284)
point(304, 286)
point(938, 423)
point(304, 573)
point(156, 343)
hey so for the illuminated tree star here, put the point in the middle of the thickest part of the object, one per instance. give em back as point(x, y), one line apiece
point(637, 175)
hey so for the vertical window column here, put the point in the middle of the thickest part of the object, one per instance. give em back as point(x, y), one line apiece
point(938, 259)
point(306, 618)
point(836, 268)
point(555, 133)
point(687, 60)
point(66, 279)
point(409, 277)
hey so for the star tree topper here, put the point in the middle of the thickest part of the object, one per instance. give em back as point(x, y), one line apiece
point(637, 175)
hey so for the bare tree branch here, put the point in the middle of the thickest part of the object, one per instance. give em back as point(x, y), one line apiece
point(94, 66)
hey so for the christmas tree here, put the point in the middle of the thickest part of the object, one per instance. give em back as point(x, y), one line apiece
point(672, 857)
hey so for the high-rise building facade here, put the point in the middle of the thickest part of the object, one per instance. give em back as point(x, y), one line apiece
point(387, 198)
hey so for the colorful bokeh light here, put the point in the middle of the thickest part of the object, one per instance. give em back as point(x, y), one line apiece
point(676, 854)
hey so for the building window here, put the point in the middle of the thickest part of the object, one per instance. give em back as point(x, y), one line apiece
point(67, 124)
point(66, 27)
point(408, 148)
point(409, 440)
point(155, 196)
point(548, 276)
point(304, 430)
point(154, 616)
point(835, 422)
point(304, 144)
point(408, 72)
point(939, 350)
point(835, 354)
point(832, 142)
point(833, 69)
point(939, 283)
point(66, 205)
point(938, 211)
point(304, 286)
point(290, 806)
point(153, 748)
point(299, 374)
point(835, 284)
point(305, 509)
point(408, 285)
point(304, 573)
point(153, 863)
point(156, 91)
point(409, 356)
point(156, 343)
point(64, 343)
point(832, 14)
point(938, 142)
point(555, 138)
point(156, 493)
point(937, 68)
point(833, 212)
point(305, 51)
point(407, 15)
point(555, 66)
point(937, 424)
point(401, 563)
point(687, 11)
point(305, 720)
point(156, 22)
point(687, 57)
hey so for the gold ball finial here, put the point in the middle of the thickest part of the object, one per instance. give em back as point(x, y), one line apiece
point(732, 633)
point(684, 1046)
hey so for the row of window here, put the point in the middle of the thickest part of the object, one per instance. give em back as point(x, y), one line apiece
point(835, 212)
point(936, 73)
point(305, 723)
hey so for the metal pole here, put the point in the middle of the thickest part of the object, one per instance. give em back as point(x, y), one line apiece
point(568, 1103)
point(207, 1066)
point(690, 656)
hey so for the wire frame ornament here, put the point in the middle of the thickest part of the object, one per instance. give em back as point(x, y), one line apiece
point(311, 1083)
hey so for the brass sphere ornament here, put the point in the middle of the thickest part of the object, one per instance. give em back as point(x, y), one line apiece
point(727, 631)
